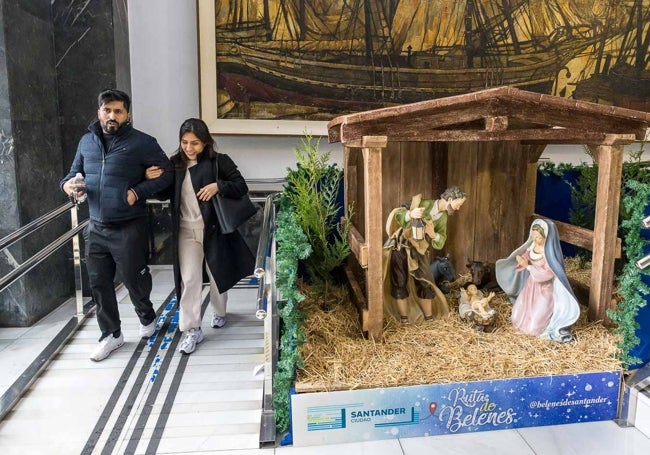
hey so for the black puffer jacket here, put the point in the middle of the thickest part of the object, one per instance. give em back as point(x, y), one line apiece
point(110, 172)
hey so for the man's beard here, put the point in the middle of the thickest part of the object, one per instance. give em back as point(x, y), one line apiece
point(111, 127)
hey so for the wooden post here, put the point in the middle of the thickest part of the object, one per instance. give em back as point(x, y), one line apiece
point(374, 220)
point(346, 178)
point(533, 152)
point(608, 194)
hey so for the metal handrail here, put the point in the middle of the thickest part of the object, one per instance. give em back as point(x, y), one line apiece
point(33, 261)
point(267, 225)
point(13, 394)
point(266, 237)
point(268, 311)
point(31, 227)
point(34, 225)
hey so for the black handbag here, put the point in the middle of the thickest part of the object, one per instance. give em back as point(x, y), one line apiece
point(232, 212)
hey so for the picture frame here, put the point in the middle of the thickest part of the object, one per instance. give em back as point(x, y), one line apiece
point(208, 91)
point(566, 53)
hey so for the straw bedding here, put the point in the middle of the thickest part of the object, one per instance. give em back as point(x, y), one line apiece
point(337, 357)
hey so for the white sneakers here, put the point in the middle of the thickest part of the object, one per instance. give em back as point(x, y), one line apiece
point(106, 346)
point(147, 330)
point(194, 336)
point(110, 343)
point(217, 321)
point(190, 339)
point(188, 344)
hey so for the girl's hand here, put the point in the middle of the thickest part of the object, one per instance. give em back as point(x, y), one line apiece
point(153, 172)
point(207, 192)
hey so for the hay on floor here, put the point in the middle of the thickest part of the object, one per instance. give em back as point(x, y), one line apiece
point(337, 357)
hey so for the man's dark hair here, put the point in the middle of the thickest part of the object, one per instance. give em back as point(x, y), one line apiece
point(112, 94)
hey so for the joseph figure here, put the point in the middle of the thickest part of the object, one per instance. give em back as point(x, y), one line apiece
point(413, 233)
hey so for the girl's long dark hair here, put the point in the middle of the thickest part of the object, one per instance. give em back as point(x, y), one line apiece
point(201, 131)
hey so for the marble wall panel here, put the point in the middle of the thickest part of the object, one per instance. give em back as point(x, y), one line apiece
point(30, 160)
point(8, 207)
point(121, 38)
point(87, 61)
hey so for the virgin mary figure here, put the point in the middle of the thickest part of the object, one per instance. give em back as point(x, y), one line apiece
point(534, 279)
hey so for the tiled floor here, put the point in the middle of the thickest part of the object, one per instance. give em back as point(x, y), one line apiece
point(216, 400)
point(146, 397)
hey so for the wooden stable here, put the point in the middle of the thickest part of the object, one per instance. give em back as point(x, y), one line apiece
point(488, 143)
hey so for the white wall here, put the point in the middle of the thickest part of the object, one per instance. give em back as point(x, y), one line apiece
point(164, 66)
point(165, 91)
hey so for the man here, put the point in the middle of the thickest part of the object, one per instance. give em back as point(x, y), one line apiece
point(410, 258)
point(113, 156)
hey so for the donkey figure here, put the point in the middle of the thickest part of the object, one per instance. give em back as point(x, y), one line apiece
point(443, 270)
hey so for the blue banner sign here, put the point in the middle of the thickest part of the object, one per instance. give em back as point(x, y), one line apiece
point(413, 411)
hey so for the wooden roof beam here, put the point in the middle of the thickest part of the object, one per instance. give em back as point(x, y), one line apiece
point(351, 131)
point(422, 108)
point(498, 123)
point(567, 104)
point(499, 109)
point(530, 136)
point(547, 115)
point(593, 139)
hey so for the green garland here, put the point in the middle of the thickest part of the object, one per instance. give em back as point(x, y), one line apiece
point(292, 246)
point(307, 231)
point(631, 286)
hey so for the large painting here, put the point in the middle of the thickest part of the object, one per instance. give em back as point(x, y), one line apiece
point(312, 60)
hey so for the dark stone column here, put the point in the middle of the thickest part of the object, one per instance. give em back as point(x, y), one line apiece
point(55, 57)
point(31, 157)
point(92, 54)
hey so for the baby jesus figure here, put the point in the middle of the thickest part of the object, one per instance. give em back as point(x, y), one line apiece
point(472, 300)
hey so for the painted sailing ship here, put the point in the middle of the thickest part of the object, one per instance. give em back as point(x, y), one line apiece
point(359, 54)
point(621, 74)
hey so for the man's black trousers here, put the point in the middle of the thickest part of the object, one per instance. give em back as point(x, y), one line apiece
point(121, 248)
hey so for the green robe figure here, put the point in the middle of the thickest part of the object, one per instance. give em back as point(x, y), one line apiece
point(412, 233)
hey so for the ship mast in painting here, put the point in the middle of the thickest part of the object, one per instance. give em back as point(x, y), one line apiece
point(337, 56)
point(621, 75)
